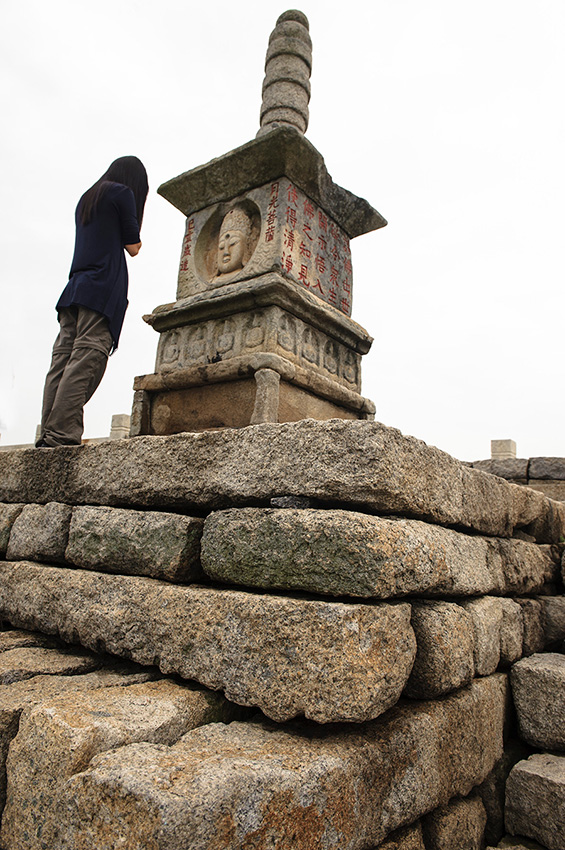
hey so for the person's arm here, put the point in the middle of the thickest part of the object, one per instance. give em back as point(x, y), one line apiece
point(134, 249)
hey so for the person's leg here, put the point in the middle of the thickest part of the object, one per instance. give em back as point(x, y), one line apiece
point(61, 352)
point(82, 375)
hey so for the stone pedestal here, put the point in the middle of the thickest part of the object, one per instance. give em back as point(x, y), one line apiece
point(261, 329)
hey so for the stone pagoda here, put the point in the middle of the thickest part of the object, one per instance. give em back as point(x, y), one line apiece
point(261, 330)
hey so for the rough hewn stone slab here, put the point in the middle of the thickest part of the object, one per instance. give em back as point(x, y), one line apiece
point(328, 660)
point(348, 553)
point(538, 687)
point(16, 697)
point(40, 533)
point(486, 616)
point(356, 463)
point(553, 608)
point(511, 632)
point(526, 567)
point(551, 489)
point(460, 824)
point(60, 737)
point(547, 467)
point(535, 800)
point(25, 662)
point(8, 515)
point(344, 553)
point(511, 468)
point(256, 785)
point(445, 640)
point(146, 543)
point(534, 627)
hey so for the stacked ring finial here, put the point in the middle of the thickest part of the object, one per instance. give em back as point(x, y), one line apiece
point(288, 64)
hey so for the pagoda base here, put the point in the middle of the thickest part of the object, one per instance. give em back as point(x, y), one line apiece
point(242, 391)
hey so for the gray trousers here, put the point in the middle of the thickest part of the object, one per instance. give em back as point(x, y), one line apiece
point(80, 355)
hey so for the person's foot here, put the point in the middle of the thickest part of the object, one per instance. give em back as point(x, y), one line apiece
point(41, 444)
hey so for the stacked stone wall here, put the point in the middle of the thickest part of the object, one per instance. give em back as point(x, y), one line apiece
point(205, 668)
point(546, 474)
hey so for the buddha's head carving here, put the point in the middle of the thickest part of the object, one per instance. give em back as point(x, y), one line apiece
point(233, 242)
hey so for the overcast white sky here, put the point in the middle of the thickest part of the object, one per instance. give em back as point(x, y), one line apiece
point(447, 116)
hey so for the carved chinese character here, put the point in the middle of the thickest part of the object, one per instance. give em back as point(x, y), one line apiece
point(291, 216)
point(289, 239)
point(320, 263)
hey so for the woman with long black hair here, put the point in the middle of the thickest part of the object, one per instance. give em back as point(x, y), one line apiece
point(92, 306)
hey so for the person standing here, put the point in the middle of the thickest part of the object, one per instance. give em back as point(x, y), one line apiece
point(92, 306)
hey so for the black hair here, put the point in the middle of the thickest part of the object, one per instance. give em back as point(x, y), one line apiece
point(128, 170)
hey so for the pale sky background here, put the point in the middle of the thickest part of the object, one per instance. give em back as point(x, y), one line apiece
point(447, 116)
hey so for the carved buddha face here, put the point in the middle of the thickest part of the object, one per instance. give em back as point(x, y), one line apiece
point(231, 251)
point(233, 242)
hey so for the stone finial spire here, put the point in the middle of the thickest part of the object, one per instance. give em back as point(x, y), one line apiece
point(286, 87)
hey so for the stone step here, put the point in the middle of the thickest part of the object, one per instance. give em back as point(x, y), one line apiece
point(535, 800)
point(349, 553)
point(296, 787)
point(354, 463)
point(330, 661)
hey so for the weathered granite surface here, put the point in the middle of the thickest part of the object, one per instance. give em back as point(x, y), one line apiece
point(59, 737)
point(535, 800)
point(8, 515)
point(40, 533)
point(327, 660)
point(460, 825)
point(553, 609)
point(146, 543)
point(486, 616)
point(445, 641)
point(341, 552)
point(256, 785)
point(534, 626)
point(360, 464)
point(538, 687)
point(511, 632)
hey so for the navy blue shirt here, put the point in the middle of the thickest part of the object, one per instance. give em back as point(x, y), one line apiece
point(99, 274)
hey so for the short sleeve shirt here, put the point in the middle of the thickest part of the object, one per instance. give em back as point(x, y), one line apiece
point(98, 278)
